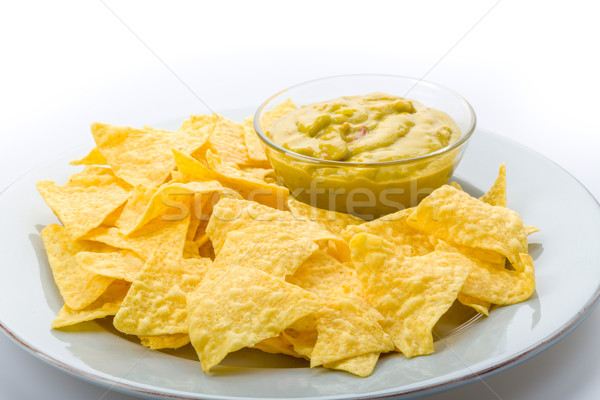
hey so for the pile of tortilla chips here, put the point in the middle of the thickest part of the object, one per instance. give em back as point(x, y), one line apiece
point(185, 236)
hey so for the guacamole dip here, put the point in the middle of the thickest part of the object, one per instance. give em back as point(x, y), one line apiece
point(372, 128)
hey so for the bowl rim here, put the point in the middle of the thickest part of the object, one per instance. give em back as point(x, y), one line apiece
point(463, 139)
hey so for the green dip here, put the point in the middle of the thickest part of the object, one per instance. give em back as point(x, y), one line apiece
point(346, 132)
point(372, 128)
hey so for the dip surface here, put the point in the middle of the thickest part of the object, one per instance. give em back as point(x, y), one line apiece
point(372, 128)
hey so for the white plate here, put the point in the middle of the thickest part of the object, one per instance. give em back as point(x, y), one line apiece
point(567, 260)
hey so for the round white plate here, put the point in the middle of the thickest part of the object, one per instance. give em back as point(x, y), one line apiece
point(567, 260)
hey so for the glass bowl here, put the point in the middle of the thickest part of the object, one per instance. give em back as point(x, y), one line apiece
point(367, 190)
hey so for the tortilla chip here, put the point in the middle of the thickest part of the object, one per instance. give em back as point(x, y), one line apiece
point(395, 229)
point(226, 316)
point(362, 365)
point(274, 251)
point(255, 147)
point(122, 264)
point(78, 287)
point(412, 293)
point(345, 330)
point(156, 303)
point(482, 307)
point(231, 215)
point(143, 156)
point(107, 304)
point(496, 196)
point(334, 222)
point(174, 341)
point(94, 157)
point(275, 113)
point(457, 218)
point(157, 234)
point(86, 200)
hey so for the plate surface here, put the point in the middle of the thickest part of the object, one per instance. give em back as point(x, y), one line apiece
point(567, 261)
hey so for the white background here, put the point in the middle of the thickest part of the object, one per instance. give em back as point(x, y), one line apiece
point(530, 70)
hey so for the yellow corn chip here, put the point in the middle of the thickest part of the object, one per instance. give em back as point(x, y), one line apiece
point(122, 264)
point(201, 126)
point(362, 365)
point(86, 200)
point(395, 229)
point(275, 113)
point(143, 156)
point(78, 287)
point(412, 293)
point(267, 248)
point(227, 140)
point(496, 196)
point(231, 215)
point(322, 273)
point(456, 217)
point(254, 145)
point(136, 205)
point(190, 250)
point(225, 315)
point(94, 157)
point(531, 229)
point(277, 345)
point(245, 184)
point(482, 307)
point(157, 234)
point(107, 304)
point(174, 341)
point(334, 222)
point(498, 285)
point(170, 197)
point(302, 334)
point(455, 185)
point(345, 330)
point(156, 303)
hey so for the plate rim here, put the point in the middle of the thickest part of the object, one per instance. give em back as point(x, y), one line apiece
point(514, 360)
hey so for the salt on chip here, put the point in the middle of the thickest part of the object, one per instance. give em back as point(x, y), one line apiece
point(412, 293)
point(94, 157)
point(232, 214)
point(107, 304)
point(143, 156)
point(122, 264)
point(86, 199)
point(158, 342)
point(266, 248)
point(240, 308)
point(456, 217)
point(78, 287)
point(156, 303)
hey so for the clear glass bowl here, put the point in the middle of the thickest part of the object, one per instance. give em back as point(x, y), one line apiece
point(368, 190)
